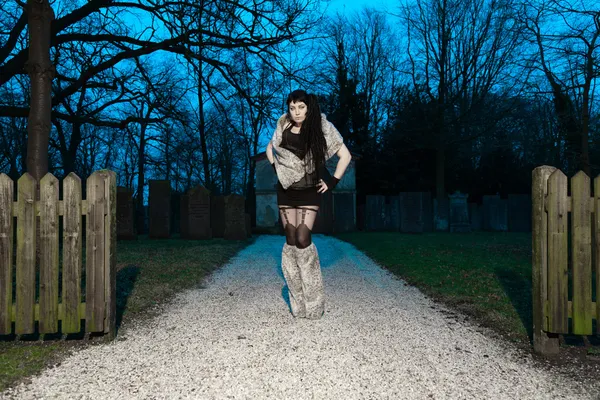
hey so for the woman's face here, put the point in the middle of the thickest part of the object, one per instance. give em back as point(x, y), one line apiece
point(298, 111)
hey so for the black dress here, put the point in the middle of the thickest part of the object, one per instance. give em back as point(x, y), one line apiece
point(303, 192)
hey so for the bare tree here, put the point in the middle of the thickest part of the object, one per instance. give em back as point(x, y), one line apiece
point(247, 115)
point(566, 39)
point(155, 105)
point(458, 53)
point(372, 62)
point(252, 24)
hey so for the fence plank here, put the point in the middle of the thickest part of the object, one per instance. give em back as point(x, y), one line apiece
point(26, 232)
point(6, 248)
point(71, 290)
point(94, 291)
point(110, 242)
point(542, 342)
point(557, 253)
point(596, 228)
point(48, 210)
point(581, 245)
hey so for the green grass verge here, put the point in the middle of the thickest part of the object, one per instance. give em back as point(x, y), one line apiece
point(485, 274)
point(149, 272)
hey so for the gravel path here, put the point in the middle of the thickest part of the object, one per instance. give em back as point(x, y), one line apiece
point(235, 339)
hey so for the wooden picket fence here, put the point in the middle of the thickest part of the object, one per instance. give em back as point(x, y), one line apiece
point(554, 272)
point(99, 207)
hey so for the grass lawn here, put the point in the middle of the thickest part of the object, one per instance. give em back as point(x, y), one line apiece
point(484, 274)
point(149, 272)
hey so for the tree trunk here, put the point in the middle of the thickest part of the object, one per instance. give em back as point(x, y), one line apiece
point(569, 128)
point(202, 132)
point(41, 73)
point(440, 184)
point(251, 191)
point(70, 158)
point(201, 123)
point(585, 148)
point(440, 170)
point(139, 209)
point(442, 217)
point(585, 117)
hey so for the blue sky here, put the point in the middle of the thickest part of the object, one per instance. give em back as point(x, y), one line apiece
point(350, 6)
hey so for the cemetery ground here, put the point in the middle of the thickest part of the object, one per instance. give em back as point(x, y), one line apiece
point(485, 276)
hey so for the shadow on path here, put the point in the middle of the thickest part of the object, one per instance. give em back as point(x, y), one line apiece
point(126, 278)
point(518, 289)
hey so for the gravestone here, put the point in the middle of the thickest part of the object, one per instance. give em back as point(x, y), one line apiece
point(145, 220)
point(441, 213)
point(519, 213)
point(267, 213)
point(159, 202)
point(176, 212)
point(248, 225)
point(411, 212)
point(271, 215)
point(197, 214)
point(495, 216)
point(375, 213)
point(217, 216)
point(475, 215)
point(235, 217)
point(324, 221)
point(393, 214)
point(459, 213)
point(427, 211)
point(344, 218)
point(125, 215)
point(184, 223)
point(360, 217)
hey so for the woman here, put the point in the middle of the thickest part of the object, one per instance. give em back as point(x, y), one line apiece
point(303, 141)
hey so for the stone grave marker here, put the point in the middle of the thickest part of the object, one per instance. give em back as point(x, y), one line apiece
point(411, 212)
point(475, 215)
point(159, 202)
point(393, 214)
point(235, 217)
point(217, 216)
point(495, 216)
point(198, 213)
point(375, 213)
point(344, 219)
point(125, 214)
point(519, 212)
point(459, 213)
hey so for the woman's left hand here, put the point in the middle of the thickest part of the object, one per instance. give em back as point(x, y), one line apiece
point(322, 186)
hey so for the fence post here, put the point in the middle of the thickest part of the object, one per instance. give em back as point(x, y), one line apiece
point(6, 249)
point(596, 228)
point(48, 245)
point(542, 342)
point(110, 258)
point(94, 251)
point(26, 244)
point(72, 253)
point(581, 234)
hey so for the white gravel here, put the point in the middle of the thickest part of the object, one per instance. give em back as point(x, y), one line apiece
point(236, 339)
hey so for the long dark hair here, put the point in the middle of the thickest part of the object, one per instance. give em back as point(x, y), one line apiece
point(311, 131)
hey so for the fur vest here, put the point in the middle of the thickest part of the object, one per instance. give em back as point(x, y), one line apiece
point(289, 167)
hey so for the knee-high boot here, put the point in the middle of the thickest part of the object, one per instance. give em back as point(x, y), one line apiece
point(291, 273)
point(312, 281)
